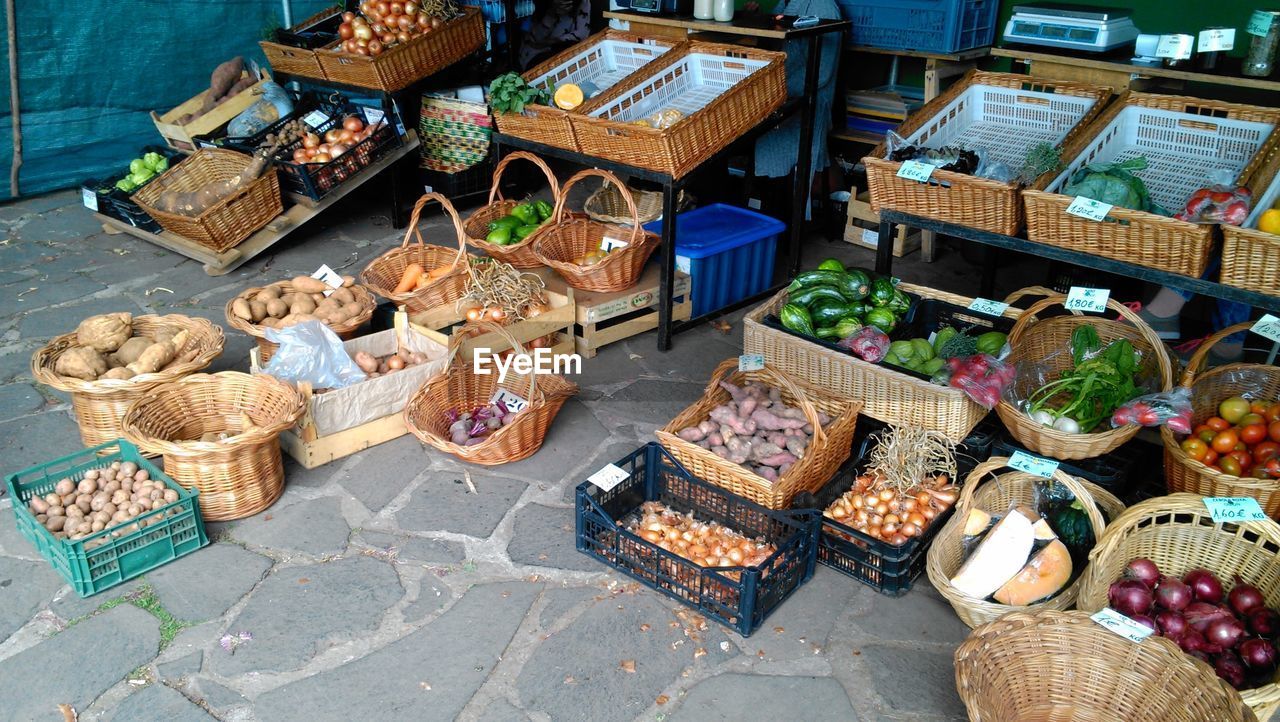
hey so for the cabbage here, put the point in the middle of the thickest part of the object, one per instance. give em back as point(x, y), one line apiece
point(1114, 184)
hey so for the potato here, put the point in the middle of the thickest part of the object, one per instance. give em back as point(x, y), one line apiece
point(277, 308)
point(80, 362)
point(170, 496)
point(366, 362)
point(38, 505)
point(266, 295)
point(97, 526)
point(55, 523)
point(270, 322)
point(106, 332)
point(240, 309)
point(303, 305)
point(74, 512)
point(132, 349)
point(141, 475)
point(121, 373)
point(52, 499)
point(307, 284)
point(288, 298)
point(257, 310)
point(64, 486)
point(129, 468)
point(69, 499)
point(57, 510)
point(343, 295)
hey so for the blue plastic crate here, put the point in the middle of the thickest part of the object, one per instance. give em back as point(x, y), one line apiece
point(727, 252)
point(738, 597)
point(939, 26)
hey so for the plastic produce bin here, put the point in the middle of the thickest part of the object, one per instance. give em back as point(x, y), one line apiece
point(727, 251)
point(939, 26)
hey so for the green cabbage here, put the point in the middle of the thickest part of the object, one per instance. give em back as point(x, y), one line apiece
point(1114, 184)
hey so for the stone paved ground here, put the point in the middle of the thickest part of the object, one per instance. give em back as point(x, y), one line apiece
point(379, 586)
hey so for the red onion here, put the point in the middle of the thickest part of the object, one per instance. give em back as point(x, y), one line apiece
point(1130, 597)
point(1204, 585)
point(1244, 598)
point(1143, 570)
point(1264, 622)
point(1202, 656)
point(1172, 594)
point(1224, 632)
point(1229, 667)
point(1192, 641)
point(1146, 621)
point(1200, 614)
point(1258, 655)
point(1172, 625)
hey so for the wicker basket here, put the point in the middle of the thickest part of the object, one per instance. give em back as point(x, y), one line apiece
point(829, 448)
point(604, 59)
point(99, 405)
point(520, 253)
point(383, 273)
point(301, 62)
point(570, 235)
point(888, 395)
point(1258, 381)
point(1184, 140)
point(460, 388)
point(1048, 342)
point(607, 205)
point(266, 349)
point(1002, 113)
point(722, 90)
point(1178, 534)
point(403, 64)
point(238, 477)
point(947, 555)
point(1250, 257)
point(1063, 666)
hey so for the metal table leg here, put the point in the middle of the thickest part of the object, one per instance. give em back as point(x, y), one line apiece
point(804, 161)
point(667, 272)
point(884, 249)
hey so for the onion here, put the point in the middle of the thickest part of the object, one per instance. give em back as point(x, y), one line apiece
point(363, 32)
point(1258, 655)
point(337, 149)
point(1143, 570)
point(1264, 622)
point(1130, 597)
point(1172, 624)
point(1204, 585)
point(1244, 598)
point(1146, 621)
point(1224, 632)
point(1230, 668)
point(346, 31)
point(1192, 641)
point(353, 124)
point(1201, 614)
point(1172, 594)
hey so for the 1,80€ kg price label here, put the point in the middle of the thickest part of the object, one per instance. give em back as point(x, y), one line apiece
point(1093, 300)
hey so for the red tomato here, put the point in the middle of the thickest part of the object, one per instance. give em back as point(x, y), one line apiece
point(1257, 407)
point(1273, 412)
point(1217, 423)
point(1230, 466)
point(1272, 468)
point(1210, 458)
point(1253, 434)
point(1207, 435)
point(1258, 472)
point(1266, 450)
point(1225, 442)
point(1201, 427)
point(1251, 419)
point(1244, 457)
point(1195, 448)
point(1274, 431)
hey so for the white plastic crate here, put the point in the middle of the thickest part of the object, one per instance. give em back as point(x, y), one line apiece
point(1181, 149)
point(602, 64)
point(688, 85)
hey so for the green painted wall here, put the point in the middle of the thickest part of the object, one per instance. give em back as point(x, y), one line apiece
point(1173, 16)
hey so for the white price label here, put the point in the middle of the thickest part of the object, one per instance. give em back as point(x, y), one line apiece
point(871, 237)
point(315, 119)
point(90, 199)
point(1216, 39)
point(915, 170)
point(374, 115)
point(1176, 47)
point(514, 403)
point(1089, 209)
point(1267, 327)
point(753, 204)
point(750, 362)
point(1022, 461)
point(1260, 23)
point(608, 244)
point(1121, 625)
point(331, 278)
point(989, 307)
point(609, 477)
point(1093, 300)
point(1234, 508)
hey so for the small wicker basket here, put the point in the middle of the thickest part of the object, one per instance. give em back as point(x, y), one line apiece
point(607, 205)
point(520, 253)
point(1048, 341)
point(1063, 666)
point(947, 554)
point(383, 273)
point(237, 477)
point(459, 387)
point(569, 236)
point(346, 330)
point(99, 405)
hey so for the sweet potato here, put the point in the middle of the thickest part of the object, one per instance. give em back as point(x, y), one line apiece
point(130, 351)
point(155, 357)
point(194, 203)
point(343, 295)
point(240, 309)
point(80, 362)
point(267, 294)
point(257, 311)
point(304, 304)
point(121, 373)
point(307, 284)
point(225, 76)
point(106, 332)
point(276, 308)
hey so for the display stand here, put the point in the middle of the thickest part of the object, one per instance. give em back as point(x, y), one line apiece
point(1119, 72)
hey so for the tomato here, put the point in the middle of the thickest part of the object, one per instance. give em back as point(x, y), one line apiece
point(1257, 407)
point(1217, 424)
point(1266, 450)
point(1253, 434)
point(1251, 419)
point(1273, 412)
point(1273, 430)
point(1207, 435)
point(1272, 468)
point(1233, 409)
point(1201, 427)
point(1244, 457)
point(1195, 448)
point(1226, 440)
point(1229, 465)
point(1258, 472)
point(1210, 457)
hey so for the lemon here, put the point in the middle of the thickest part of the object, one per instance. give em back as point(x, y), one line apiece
point(1270, 222)
point(568, 96)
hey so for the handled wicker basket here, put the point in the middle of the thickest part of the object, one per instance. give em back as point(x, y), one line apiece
point(1063, 666)
point(348, 329)
point(237, 477)
point(947, 555)
point(460, 388)
point(99, 405)
point(1178, 533)
point(570, 236)
point(520, 253)
point(827, 450)
point(383, 273)
point(1048, 342)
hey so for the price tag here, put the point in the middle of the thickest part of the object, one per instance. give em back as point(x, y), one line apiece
point(374, 115)
point(1267, 327)
point(1022, 461)
point(989, 307)
point(871, 237)
point(330, 277)
point(315, 118)
point(915, 170)
point(608, 244)
point(1216, 39)
point(1177, 47)
point(1121, 625)
point(753, 204)
point(1089, 209)
point(750, 362)
point(1093, 300)
point(1234, 508)
point(609, 477)
point(90, 199)
point(514, 403)
point(1259, 23)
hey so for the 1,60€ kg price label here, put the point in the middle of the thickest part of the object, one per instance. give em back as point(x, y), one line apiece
point(1234, 508)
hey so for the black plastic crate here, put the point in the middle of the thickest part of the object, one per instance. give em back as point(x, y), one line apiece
point(742, 603)
point(115, 203)
point(930, 314)
point(316, 180)
point(303, 103)
point(1123, 472)
point(465, 183)
point(314, 35)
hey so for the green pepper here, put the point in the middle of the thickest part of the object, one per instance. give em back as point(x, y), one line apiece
point(944, 334)
point(500, 236)
point(527, 214)
point(524, 230)
point(831, 264)
point(544, 209)
point(508, 222)
point(991, 343)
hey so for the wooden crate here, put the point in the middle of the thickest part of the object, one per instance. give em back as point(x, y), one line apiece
point(443, 324)
point(605, 318)
point(863, 227)
point(182, 137)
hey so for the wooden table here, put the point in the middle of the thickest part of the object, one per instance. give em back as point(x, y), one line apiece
point(755, 25)
point(1119, 72)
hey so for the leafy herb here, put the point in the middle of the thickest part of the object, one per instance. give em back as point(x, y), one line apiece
point(1097, 385)
point(510, 93)
point(1041, 158)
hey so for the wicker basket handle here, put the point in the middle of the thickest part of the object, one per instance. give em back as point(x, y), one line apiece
point(563, 196)
point(477, 327)
point(412, 230)
point(1197, 359)
point(995, 463)
point(495, 192)
point(1022, 293)
point(730, 366)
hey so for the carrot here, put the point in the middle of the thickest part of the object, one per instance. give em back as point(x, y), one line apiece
point(409, 280)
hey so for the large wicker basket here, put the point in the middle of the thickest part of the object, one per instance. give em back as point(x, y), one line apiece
point(237, 477)
point(1063, 666)
point(1178, 533)
point(569, 236)
point(383, 273)
point(1208, 389)
point(295, 60)
point(99, 405)
point(1048, 342)
point(1183, 139)
point(520, 253)
point(227, 222)
point(1250, 257)
point(947, 553)
point(829, 448)
point(1005, 114)
point(403, 64)
point(348, 329)
point(459, 388)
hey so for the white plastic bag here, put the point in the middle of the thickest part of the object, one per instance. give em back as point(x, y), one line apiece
point(310, 351)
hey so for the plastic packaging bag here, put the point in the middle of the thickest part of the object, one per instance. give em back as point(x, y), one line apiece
point(950, 158)
point(869, 344)
point(981, 377)
point(1169, 408)
point(310, 351)
point(1225, 203)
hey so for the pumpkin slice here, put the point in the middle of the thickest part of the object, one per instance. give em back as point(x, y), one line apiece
point(977, 522)
point(1043, 531)
point(998, 557)
point(1045, 575)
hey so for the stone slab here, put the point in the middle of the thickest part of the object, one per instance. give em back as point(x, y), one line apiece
point(413, 548)
point(182, 667)
point(70, 605)
point(734, 697)
point(560, 600)
point(369, 481)
point(573, 436)
point(915, 680)
point(806, 619)
point(38, 438)
point(651, 403)
point(501, 710)
point(544, 536)
point(443, 503)
point(919, 616)
point(158, 703)
point(18, 400)
point(316, 527)
point(216, 695)
point(25, 586)
point(203, 585)
point(433, 595)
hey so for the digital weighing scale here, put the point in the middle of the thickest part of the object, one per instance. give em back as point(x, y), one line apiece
point(1074, 27)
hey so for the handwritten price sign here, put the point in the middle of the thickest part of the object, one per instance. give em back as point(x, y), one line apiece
point(1093, 300)
point(1234, 508)
point(609, 477)
point(1119, 624)
point(1260, 23)
point(750, 362)
point(514, 403)
point(1089, 209)
point(988, 307)
point(915, 170)
point(1267, 327)
point(1022, 461)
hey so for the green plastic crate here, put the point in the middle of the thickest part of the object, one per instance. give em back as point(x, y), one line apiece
point(119, 560)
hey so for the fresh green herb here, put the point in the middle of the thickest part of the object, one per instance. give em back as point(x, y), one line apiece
point(510, 94)
point(1098, 384)
point(1084, 342)
point(1041, 158)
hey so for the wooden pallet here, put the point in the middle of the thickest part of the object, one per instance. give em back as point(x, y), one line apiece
point(605, 318)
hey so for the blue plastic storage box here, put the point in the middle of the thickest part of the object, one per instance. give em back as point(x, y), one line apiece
point(727, 251)
point(938, 26)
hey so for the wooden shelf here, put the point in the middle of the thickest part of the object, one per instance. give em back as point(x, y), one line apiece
point(959, 56)
point(858, 136)
point(1114, 65)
